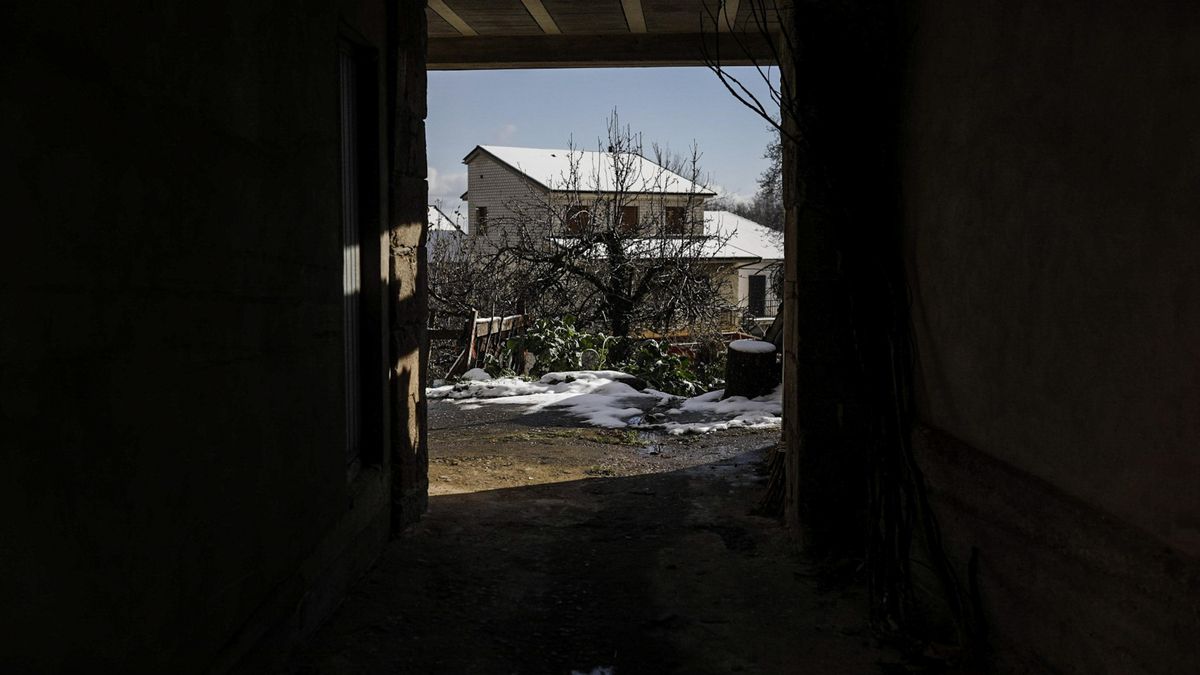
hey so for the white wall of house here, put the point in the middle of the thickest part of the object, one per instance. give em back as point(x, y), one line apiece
point(495, 186)
point(735, 276)
point(763, 268)
point(650, 207)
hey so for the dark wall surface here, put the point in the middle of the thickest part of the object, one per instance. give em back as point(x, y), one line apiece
point(1050, 165)
point(174, 476)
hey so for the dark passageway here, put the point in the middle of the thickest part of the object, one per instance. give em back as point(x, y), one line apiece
point(992, 308)
point(659, 572)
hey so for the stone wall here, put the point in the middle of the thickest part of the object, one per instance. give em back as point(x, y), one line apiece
point(409, 265)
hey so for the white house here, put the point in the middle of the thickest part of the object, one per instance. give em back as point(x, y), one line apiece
point(500, 178)
point(753, 256)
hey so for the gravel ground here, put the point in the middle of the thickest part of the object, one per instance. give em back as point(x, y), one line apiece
point(550, 548)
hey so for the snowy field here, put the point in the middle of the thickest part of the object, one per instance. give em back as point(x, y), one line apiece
point(605, 398)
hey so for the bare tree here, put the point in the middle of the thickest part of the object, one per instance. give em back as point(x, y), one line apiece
point(618, 242)
point(453, 287)
point(766, 206)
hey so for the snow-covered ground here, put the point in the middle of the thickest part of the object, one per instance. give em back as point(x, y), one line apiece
point(603, 398)
point(707, 412)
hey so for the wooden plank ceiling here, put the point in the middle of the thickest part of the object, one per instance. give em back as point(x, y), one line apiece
point(481, 34)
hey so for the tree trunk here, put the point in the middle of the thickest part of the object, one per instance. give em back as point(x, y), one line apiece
point(617, 295)
point(750, 369)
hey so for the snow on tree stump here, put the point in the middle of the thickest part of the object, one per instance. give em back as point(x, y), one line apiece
point(750, 369)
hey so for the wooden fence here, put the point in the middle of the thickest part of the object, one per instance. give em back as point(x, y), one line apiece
point(479, 337)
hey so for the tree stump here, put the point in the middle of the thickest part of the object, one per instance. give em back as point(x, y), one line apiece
point(750, 369)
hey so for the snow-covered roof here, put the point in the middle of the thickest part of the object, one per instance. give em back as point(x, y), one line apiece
point(551, 168)
point(743, 239)
point(440, 221)
point(747, 239)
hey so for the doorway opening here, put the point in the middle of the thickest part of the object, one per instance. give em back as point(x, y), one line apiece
point(531, 379)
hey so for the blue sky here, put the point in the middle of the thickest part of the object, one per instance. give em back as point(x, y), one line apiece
point(544, 108)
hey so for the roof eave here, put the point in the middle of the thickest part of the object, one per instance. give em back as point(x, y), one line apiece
point(519, 172)
point(479, 148)
point(633, 192)
point(472, 153)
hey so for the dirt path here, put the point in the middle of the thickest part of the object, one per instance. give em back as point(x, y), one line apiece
point(549, 549)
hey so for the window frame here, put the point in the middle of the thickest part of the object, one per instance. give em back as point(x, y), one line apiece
point(361, 222)
point(675, 220)
point(628, 223)
point(576, 218)
point(481, 219)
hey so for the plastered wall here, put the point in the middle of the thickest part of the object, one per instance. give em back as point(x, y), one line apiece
point(1050, 163)
point(1050, 187)
point(495, 186)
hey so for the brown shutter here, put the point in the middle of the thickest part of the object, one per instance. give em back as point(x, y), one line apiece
point(675, 217)
point(629, 218)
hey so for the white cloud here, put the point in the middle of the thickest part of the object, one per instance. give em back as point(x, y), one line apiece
point(730, 194)
point(506, 133)
point(446, 186)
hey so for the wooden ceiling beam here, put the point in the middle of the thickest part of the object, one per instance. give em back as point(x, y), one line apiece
point(451, 17)
point(597, 51)
point(538, 11)
point(727, 19)
point(634, 17)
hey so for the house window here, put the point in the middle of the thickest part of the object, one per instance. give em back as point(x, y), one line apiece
point(576, 218)
point(361, 225)
point(481, 219)
point(629, 218)
point(757, 300)
point(676, 217)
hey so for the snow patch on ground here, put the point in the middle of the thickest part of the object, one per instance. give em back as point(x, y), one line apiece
point(598, 398)
point(707, 412)
point(595, 396)
point(663, 397)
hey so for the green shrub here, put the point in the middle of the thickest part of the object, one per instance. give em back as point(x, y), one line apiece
point(558, 346)
point(500, 366)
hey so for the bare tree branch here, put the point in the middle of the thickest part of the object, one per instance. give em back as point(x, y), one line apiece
point(616, 241)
